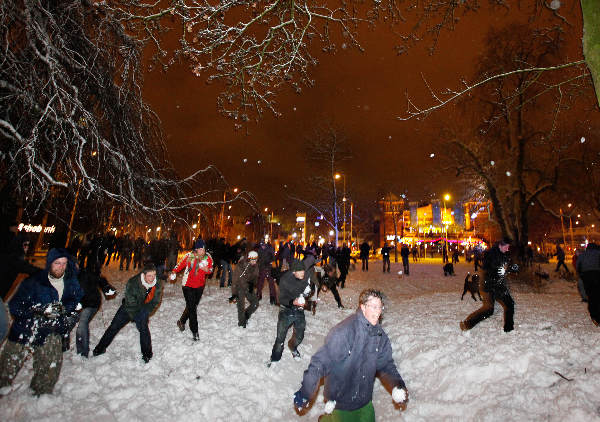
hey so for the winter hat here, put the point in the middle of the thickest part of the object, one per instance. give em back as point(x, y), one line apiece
point(56, 253)
point(296, 265)
point(252, 255)
point(199, 244)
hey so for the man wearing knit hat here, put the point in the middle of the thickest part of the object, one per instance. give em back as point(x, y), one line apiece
point(44, 309)
point(294, 287)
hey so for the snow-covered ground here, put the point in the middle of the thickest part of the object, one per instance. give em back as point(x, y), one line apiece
point(546, 369)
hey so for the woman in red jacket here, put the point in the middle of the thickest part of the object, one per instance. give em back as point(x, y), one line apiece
point(196, 265)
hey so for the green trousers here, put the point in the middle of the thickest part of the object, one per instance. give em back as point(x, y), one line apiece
point(364, 414)
point(47, 362)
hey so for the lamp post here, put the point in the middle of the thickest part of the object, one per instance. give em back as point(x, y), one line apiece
point(446, 198)
point(336, 176)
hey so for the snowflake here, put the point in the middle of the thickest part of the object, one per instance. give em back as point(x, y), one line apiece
point(245, 160)
point(508, 173)
point(492, 162)
point(555, 4)
point(431, 155)
point(582, 140)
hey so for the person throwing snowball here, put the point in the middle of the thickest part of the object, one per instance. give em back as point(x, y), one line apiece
point(354, 352)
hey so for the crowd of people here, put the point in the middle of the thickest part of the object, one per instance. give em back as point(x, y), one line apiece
point(47, 305)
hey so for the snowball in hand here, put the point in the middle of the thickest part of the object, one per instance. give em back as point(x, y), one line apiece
point(301, 301)
point(172, 276)
point(399, 395)
point(329, 406)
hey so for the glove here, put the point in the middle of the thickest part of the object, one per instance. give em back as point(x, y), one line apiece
point(400, 395)
point(51, 311)
point(300, 402)
point(501, 271)
point(79, 307)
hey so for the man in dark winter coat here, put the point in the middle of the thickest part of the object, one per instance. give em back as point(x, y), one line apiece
point(496, 263)
point(293, 289)
point(44, 309)
point(364, 255)
point(588, 268)
point(327, 280)
point(405, 253)
point(343, 263)
point(266, 255)
point(142, 296)
point(244, 277)
point(355, 351)
point(12, 259)
point(385, 256)
point(90, 282)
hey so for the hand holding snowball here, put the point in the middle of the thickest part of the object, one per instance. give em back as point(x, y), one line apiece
point(400, 395)
point(173, 276)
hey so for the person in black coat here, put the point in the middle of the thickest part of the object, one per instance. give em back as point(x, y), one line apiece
point(364, 255)
point(90, 281)
point(12, 260)
point(496, 263)
point(588, 268)
point(293, 289)
point(385, 256)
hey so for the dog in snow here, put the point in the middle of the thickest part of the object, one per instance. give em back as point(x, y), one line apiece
point(448, 269)
point(471, 286)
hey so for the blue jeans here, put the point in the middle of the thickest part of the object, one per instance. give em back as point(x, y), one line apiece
point(287, 317)
point(83, 331)
point(226, 266)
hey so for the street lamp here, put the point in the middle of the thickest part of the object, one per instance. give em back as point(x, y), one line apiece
point(446, 198)
point(337, 176)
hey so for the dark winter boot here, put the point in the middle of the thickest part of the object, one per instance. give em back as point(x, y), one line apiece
point(181, 325)
point(195, 337)
point(296, 354)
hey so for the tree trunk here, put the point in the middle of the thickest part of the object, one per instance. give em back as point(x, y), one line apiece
point(591, 40)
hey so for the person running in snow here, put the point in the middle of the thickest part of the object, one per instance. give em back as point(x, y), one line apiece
point(142, 297)
point(496, 263)
point(588, 268)
point(244, 277)
point(44, 309)
point(293, 289)
point(355, 351)
point(197, 264)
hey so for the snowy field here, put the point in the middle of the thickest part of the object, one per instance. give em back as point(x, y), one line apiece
point(547, 369)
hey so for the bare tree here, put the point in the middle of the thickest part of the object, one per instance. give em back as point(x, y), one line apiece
point(326, 150)
point(512, 151)
point(72, 117)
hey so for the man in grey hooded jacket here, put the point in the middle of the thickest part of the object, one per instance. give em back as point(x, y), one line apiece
point(355, 351)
